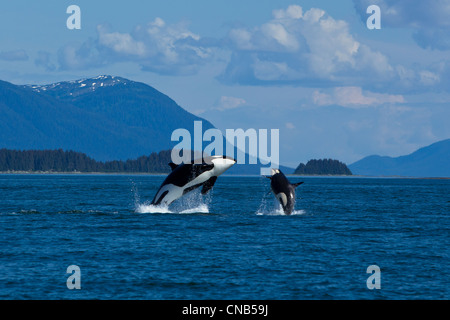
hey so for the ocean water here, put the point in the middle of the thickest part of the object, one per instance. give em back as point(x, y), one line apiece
point(234, 243)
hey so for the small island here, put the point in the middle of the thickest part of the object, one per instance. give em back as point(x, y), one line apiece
point(323, 167)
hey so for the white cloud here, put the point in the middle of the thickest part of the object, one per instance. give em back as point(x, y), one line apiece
point(354, 97)
point(313, 49)
point(14, 55)
point(306, 47)
point(269, 70)
point(313, 15)
point(278, 32)
point(292, 12)
point(156, 46)
point(429, 19)
point(429, 78)
point(86, 55)
point(332, 47)
point(158, 22)
point(241, 39)
point(290, 125)
point(120, 43)
point(226, 103)
point(44, 60)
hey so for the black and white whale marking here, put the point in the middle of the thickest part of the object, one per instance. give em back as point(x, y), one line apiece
point(283, 190)
point(189, 176)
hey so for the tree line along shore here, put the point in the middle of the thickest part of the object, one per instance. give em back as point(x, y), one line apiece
point(60, 161)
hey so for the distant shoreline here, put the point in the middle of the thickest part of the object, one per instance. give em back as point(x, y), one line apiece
point(228, 175)
point(79, 173)
point(361, 176)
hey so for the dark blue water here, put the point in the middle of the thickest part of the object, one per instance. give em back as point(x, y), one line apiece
point(232, 244)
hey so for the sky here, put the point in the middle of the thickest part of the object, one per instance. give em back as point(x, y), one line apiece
point(312, 69)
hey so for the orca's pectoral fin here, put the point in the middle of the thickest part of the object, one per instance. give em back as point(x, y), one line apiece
point(208, 185)
point(297, 184)
point(173, 166)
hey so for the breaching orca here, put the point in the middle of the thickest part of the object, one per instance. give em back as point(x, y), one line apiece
point(189, 176)
point(284, 190)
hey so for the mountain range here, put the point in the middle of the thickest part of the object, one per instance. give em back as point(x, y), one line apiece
point(113, 118)
point(108, 118)
point(429, 161)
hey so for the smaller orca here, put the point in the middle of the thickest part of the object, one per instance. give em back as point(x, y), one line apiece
point(283, 190)
point(186, 177)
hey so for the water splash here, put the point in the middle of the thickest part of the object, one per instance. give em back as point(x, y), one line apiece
point(202, 208)
point(193, 202)
point(150, 208)
point(271, 207)
point(279, 212)
point(135, 192)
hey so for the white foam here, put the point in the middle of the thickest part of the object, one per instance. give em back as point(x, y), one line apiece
point(203, 208)
point(280, 213)
point(193, 202)
point(273, 208)
point(150, 208)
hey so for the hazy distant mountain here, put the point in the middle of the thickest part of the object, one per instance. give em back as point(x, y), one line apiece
point(106, 117)
point(430, 161)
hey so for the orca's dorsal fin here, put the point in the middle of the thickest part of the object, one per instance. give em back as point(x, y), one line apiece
point(295, 185)
point(173, 165)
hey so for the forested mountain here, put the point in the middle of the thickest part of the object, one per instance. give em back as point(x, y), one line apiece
point(105, 117)
point(108, 118)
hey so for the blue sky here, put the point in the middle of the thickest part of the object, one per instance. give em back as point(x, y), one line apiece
point(312, 69)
